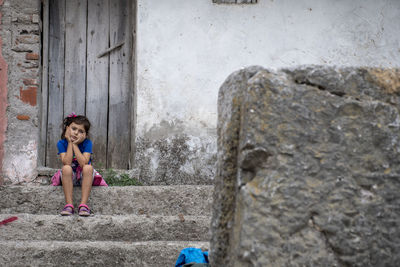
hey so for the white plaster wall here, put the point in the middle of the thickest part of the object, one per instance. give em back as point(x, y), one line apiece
point(186, 48)
point(21, 162)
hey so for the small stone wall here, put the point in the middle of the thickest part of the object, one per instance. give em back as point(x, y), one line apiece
point(175, 160)
point(308, 170)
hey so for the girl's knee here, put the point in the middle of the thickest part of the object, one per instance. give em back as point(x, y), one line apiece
point(66, 170)
point(88, 169)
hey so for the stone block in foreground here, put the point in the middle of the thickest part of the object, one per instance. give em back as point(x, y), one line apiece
point(308, 168)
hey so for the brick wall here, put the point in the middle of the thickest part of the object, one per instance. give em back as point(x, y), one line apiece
point(20, 34)
point(3, 101)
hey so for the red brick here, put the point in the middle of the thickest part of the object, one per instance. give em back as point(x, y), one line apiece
point(23, 117)
point(28, 95)
point(27, 39)
point(32, 56)
point(30, 81)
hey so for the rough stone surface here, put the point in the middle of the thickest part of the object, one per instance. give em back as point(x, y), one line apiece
point(308, 169)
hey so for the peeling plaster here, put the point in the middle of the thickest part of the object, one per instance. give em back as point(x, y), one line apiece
point(21, 167)
point(167, 154)
point(184, 54)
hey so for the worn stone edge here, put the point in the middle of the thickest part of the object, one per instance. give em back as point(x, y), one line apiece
point(230, 94)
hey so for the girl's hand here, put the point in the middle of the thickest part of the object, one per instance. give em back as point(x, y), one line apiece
point(68, 135)
point(76, 142)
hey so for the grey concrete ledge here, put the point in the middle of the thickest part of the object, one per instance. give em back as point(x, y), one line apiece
point(106, 228)
point(55, 253)
point(140, 200)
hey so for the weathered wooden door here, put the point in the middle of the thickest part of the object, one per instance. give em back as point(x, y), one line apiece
point(88, 55)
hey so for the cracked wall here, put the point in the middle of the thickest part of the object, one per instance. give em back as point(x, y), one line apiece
point(308, 170)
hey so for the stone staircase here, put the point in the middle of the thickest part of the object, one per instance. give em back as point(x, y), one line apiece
point(130, 226)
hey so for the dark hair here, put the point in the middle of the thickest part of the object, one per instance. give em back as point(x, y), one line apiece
point(78, 119)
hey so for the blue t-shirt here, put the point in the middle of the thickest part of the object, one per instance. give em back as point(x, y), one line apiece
point(84, 147)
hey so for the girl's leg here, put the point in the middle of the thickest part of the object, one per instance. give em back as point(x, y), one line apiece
point(87, 181)
point(67, 183)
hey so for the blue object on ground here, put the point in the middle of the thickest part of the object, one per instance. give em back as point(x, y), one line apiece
point(189, 255)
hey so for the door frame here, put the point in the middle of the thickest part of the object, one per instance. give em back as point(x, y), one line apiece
point(44, 84)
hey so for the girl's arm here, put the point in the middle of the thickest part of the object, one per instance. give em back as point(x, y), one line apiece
point(82, 159)
point(66, 158)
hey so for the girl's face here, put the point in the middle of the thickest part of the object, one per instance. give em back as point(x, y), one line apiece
point(76, 132)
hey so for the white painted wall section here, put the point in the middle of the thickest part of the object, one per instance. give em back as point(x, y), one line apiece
point(186, 48)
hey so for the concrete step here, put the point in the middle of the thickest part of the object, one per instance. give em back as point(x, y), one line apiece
point(87, 253)
point(105, 227)
point(140, 200)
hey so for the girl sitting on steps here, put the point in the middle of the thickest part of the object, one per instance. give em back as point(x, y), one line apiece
point(75, 150)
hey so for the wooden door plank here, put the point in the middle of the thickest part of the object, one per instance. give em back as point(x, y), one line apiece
point(97, 78)
point(119, 114)
point(75, 57)
point(44, 88)
point(56, 79)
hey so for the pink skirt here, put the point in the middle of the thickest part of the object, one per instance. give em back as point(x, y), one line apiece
point(97, 178)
